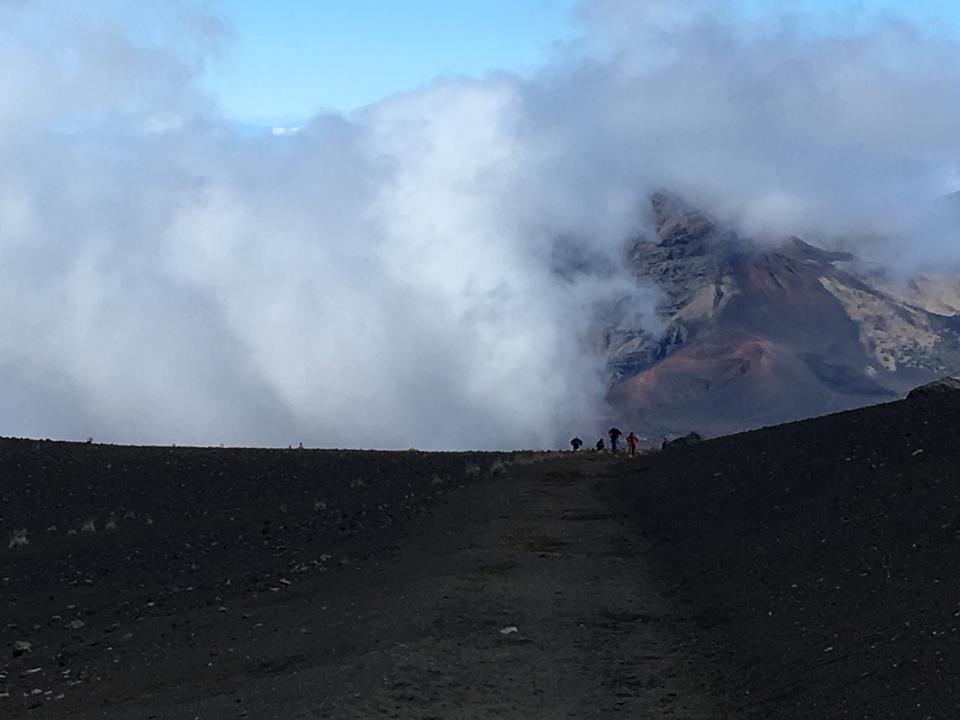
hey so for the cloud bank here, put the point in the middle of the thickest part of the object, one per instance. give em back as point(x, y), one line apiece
point(425, 271)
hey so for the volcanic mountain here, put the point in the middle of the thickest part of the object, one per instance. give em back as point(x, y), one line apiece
point(758, 333)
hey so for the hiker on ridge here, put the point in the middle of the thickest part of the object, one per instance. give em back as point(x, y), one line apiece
point(632, 442)
point(577, 443)
point(599, 445)
point(614, 439)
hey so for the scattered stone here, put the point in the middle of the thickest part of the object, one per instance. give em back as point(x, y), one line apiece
point(21, 647)
point(18, 538)
point(497, 468)
point(509, 630)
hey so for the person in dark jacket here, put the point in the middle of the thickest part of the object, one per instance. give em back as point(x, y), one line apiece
point(599, 445)
point(576, 443)
point(614, 438)
point(632, 441)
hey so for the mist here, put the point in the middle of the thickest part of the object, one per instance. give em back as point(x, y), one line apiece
point(389, 277)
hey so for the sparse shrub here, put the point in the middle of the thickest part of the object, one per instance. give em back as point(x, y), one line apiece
point(89, 525)
point(111, 523)
point(18, 538)
point(471, 470)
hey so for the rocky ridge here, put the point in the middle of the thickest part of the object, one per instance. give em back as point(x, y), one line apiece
point(763, 332)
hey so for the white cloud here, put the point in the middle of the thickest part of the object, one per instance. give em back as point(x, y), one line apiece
point(387, 279)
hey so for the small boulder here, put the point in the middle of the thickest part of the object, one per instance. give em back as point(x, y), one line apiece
point(21, 647)
point(18, 538)
point(937, 388)
point(691, 438)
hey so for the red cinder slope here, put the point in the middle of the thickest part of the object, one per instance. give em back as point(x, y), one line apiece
point(765, 332)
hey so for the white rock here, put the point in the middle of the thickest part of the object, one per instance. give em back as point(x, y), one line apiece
point(18, 538)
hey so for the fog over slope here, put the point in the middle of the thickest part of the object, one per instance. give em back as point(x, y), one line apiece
point(423, 271)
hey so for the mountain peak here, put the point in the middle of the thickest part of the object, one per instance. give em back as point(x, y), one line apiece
point(676, 221)
point(759, 332)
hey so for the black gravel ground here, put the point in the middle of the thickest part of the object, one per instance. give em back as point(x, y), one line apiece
point(804, 571)
point(188, 583)
point(824, 555)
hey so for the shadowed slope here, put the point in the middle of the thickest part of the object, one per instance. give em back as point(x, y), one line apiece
point(825, 554)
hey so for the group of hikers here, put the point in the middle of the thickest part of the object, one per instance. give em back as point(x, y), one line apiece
point(615, 436)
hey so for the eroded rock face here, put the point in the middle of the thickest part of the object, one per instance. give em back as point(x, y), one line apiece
point(890, 332)
point(764, 332)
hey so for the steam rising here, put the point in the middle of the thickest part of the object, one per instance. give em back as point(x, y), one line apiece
point(426, 270)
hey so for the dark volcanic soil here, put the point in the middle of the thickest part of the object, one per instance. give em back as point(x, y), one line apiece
point(806, 571)
point(311, 584)
point(825, 554)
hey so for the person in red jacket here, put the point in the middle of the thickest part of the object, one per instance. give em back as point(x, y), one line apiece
point(632, 441)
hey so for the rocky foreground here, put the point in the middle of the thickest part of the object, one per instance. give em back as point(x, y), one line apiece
point(805, 571)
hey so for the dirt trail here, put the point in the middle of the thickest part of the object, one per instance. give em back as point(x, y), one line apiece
point(593, 636)
point(522, 595)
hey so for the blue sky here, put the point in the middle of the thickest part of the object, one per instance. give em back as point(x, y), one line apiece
point(288, 59)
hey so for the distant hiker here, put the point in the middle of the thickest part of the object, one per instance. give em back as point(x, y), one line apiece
point(665, 444)
point(576, 443)
point(632, 442)
point(614, 439)
point(599, 446)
